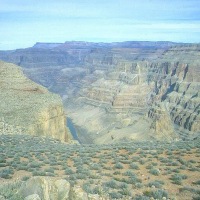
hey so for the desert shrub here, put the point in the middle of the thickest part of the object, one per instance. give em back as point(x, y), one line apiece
point(95, 166)
point(183, 162)
point(183, 167)
point(174, 163)
point(107, 168)
point(117, 173)
point(68, 171)
point(134, 166)
point(139, 185)
point(39, 173)
point(149, 166)
point(133, 180)
point(9, 191)
point(50, 169)
point(157, 194)
point(154, 171)
point(193, 169)
point(72, 182)
point(142, 162)
point(2, 160)
point(156, 183)
point(87, 188)
point(25, 178)
point(177, 178)
point(164, 160)
point(6, 173)
point(125, 161)
point(111, 184)
point(34, 164)
point(81, 176)
point(21, 167)
point(195, 191)
point(123, 185)
point(115, 195)
point(197, 182)
point(176, 170)
point(140, 197)
point(3, 164)
point(72, 177)
point(118, 166)
point(167, 171)
point(94, 176)
point(125, 192)
point(129, 173)
point(97, 190)
point(154, 163)
point(135, 158)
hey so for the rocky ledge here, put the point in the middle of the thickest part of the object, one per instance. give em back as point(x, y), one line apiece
point(48, 188)
point(29, 108)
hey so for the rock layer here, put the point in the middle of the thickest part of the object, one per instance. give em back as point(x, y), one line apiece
point(26, 107)
point(131, 90)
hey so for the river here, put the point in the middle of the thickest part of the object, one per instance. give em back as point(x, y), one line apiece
point(79, 133)
point(72, 129)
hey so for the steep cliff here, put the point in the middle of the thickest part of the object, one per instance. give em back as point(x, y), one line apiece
point(26, 107)
point(177, 89)
point(128, 90)
point(144, 99)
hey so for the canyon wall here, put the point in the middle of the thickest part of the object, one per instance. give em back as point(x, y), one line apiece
point(29, 108)
point(120, 91)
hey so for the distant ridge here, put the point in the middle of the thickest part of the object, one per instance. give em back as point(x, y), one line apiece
point(125, 44)
point(44, 45)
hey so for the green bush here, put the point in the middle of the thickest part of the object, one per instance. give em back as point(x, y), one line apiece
point(9, 191)
point(177, 178)
point(134, 166)
point(25, 178)
point(111, 184)
point(118, 166)
point(115, 195)
point(156, 183)
point(6, 173)
point(154, 171)
point(157, 194)
point(197, 182)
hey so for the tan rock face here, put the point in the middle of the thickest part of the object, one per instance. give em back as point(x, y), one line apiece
point(26, 107)
point(46, 188)
point(77, 193)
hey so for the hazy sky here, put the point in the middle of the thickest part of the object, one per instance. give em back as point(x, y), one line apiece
point(25, 22)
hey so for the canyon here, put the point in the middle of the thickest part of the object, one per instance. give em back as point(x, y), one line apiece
point(120, 91)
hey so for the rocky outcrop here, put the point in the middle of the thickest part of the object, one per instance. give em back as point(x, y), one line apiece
point(48, 188)
point(26, 107)
point(33, 197)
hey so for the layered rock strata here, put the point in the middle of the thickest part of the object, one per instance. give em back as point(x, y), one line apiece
point(26, 107)
point(128, 90)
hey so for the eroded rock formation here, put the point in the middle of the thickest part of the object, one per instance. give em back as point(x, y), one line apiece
point(129, 90)
point(49, 188)
point(29, 108)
